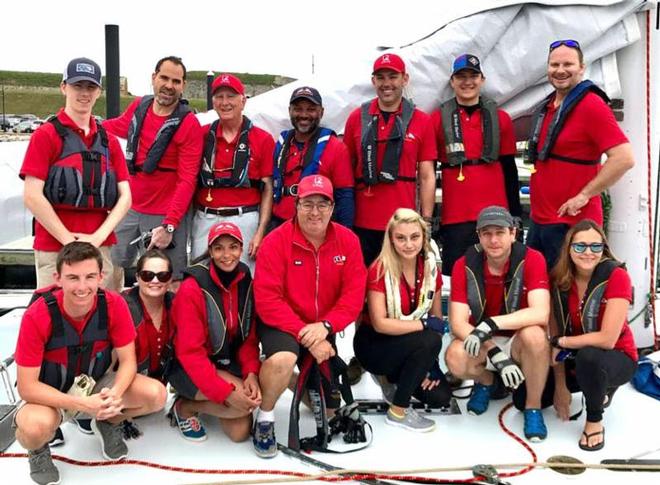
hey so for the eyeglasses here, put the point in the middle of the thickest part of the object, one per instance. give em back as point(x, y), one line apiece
point(573, 44)
point(147, 276)
point(580, 247)
point(308, 206)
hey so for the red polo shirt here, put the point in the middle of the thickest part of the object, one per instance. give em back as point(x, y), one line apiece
point(334, 164)
point(260, 166)
point(36, 328)
point(42, 152)
point(535, 276)
point(618, 286)
point(375, 205)
point(589, 131)
point(483, 184)
point(166, 191)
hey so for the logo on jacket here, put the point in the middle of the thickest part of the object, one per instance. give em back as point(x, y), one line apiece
point(339, 259)
point(297, 262)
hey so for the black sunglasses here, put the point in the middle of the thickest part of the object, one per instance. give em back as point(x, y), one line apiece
point(573, 44)
point(147, 276)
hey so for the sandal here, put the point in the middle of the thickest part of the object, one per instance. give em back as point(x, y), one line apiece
point(597, 447)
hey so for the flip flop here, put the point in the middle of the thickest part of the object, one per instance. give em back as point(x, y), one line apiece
point(597, 447)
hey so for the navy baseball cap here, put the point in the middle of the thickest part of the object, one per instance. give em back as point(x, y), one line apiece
point(308, 93)
point(466, 61)
point(82, 69)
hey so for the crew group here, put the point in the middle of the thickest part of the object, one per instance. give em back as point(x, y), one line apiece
point(287, 240)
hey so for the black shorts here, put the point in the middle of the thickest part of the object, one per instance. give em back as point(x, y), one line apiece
point(183, 384)
point(371, 242)
point(456, 239)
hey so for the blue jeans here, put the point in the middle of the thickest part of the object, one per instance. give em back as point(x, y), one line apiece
point(547, 238)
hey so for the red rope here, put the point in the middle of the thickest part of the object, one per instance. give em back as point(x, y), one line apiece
point(519, 440)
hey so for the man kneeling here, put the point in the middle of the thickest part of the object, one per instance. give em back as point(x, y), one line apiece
point(67, 336)
point(500, 299)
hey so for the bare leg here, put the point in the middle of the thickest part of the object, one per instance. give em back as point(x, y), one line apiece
point(274, 377)
point(201, 403)
point(144, 396)
point(532, 350)
point(36, 425)
point(463, 366)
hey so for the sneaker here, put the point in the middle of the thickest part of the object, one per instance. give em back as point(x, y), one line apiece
point(411, 421)
point(191, 428)
point(263, 439)
point(112, 439)
point(84, 425)
point(535, 429)
point(58, 438)
point(478, 403)
point(387, 388)
point(354, 371)
point(42, 469)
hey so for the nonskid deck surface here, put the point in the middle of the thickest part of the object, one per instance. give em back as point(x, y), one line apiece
point(458, 440)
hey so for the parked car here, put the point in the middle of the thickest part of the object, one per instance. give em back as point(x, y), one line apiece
point(27, 126)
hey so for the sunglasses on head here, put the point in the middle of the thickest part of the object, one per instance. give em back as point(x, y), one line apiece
point(573, 44)
point(147, 276)
point(580, 247)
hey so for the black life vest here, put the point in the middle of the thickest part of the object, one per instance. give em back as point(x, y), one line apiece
point(162, 140)
point(389, 172)
point(132, 297)
point(476, 288)
point(577, 94)
point(590, 303)
point(79, 348)
point(451, 126)
point(239, 171)
point(223, 350)
point(80, 172)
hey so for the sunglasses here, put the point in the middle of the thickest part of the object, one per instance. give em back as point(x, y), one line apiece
point(147, 276)
point(573, 44)
point(595, 248)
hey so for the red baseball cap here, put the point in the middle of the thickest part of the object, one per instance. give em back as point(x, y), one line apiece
point(225, 229)
point(315, 185)
point(229, 81)
point(391, 62)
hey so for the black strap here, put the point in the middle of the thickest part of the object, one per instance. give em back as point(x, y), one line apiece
point(578, 161)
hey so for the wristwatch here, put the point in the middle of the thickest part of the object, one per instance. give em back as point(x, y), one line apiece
point(327, 326)
point(169, 228)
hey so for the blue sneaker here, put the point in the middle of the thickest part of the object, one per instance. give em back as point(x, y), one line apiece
point(535, 429)
point(478, 403)
point(263, 439)
point(191, 428)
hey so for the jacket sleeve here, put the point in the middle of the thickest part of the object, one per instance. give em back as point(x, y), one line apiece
point(189, 315)
point(119, 126)
point(269, 295)
point(248, 353)
point(354, 281)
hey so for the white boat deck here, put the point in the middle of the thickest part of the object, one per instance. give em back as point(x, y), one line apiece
point(459, 440)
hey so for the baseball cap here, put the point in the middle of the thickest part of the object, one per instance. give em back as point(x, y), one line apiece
point(466, 61)
point(224, 229)
point(315, 185)
point(308, 93)
point(82, 69)
point(494, 215)
point(229, 81)
point(389, 61)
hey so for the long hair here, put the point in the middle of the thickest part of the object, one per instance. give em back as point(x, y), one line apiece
point(563, 273)
point(388, 259)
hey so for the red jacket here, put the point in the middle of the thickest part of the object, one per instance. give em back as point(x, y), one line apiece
point(192, 345)
point(295, 284)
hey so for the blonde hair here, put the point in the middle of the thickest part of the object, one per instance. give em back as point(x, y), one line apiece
point(388, 260)
point(563, 273)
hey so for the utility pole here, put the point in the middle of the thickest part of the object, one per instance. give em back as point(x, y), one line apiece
point(209, 94)
point(312, 63)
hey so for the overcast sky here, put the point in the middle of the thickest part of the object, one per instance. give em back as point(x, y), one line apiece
point(275, 37)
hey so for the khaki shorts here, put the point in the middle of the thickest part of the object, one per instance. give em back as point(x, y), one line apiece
point(45, 263)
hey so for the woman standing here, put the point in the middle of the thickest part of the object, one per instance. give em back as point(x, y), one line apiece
point(401, 336)
point(594, 350)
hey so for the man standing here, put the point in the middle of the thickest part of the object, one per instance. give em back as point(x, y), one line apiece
point(309, 149)
point(309, 285)
point(571, 129)
point(392, 148)
point(72, 147)
point(71, 332)
point(498, 312)
point(163, 150)
point(476, 148)
point(234, 183)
